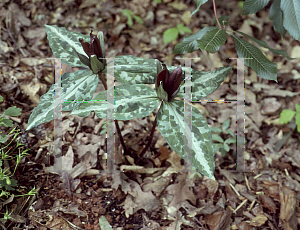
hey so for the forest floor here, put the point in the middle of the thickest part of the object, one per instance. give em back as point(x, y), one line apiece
point(155, 192)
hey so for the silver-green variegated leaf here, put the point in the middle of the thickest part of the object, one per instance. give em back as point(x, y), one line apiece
point(134, 70)
point(131, 101)
point(190, 43)
point(61, 42)
point(263, 67)
point(170, 119)
point(79, 85)
point(212, 40)
point(205, 82)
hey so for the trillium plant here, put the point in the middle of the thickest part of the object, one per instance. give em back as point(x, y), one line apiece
point(133, 97)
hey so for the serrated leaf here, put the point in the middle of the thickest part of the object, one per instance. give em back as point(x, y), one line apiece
point(61, 42)
point(199, 3)
point(204, 82)
point(13, 111)
point(170, 35)
point(264, 44)
point(170, 119)
point(212, 40)
point(276, 16)
point(259, 63)
point(291, 17)
point(131, 101)
point(189, 43)
point(79, 85)
point(253, 6)
point(286, 116)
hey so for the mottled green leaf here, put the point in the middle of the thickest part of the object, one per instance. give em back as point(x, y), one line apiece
point(61, 42)
point(131, 101)
point(170, 119)
point(205, 82)
point(79, 85)
point(134, 70)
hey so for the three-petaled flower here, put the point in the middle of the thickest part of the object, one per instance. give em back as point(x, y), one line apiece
point(168, 85)
point(95, 52)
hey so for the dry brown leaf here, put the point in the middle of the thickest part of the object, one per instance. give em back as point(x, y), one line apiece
point(137, 199)
point(258, 220)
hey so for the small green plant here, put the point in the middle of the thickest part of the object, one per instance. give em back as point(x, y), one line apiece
point(6, 182)
point(287, 115)
point(128, 13)
point(11, 111)
point(172, 33)
point(223, 145)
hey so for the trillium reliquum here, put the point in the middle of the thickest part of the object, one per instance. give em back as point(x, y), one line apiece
point(133, 97)
point(95, 51)
point(139, 100)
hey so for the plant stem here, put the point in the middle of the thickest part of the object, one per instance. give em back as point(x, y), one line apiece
point(116, 122)
point(150, 140)
point(151, 135)
point(214, 4)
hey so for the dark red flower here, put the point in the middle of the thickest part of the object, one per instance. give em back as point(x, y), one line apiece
point(171, 82)
point(92, 48)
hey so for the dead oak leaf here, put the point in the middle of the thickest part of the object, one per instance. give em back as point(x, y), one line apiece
point(180, 192)
point(138, 199)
